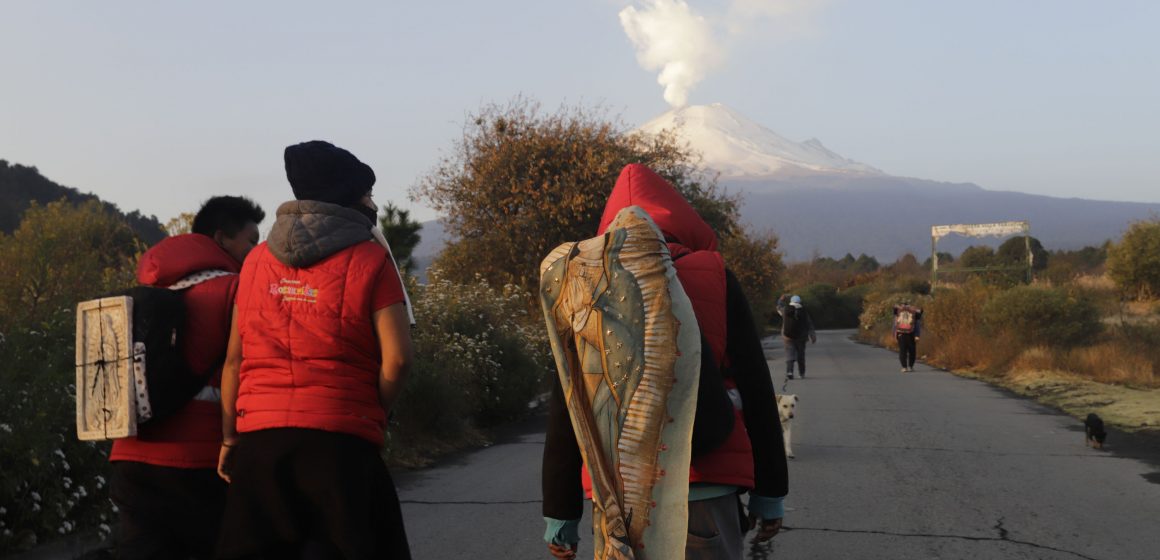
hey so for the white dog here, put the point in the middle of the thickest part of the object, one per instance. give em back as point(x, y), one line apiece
point(785, 406)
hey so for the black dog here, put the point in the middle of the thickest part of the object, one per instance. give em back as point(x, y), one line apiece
point(1094, 431)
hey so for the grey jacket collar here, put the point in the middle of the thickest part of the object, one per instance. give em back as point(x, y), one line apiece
point(307, 231)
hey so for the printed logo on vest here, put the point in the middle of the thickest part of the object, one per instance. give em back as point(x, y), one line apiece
point(294, 290)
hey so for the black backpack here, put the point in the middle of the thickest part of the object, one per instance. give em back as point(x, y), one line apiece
point(158, 322)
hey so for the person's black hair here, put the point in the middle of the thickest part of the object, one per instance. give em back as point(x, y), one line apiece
point(228, 214)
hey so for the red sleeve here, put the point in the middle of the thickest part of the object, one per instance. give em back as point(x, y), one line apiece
point(387, 289)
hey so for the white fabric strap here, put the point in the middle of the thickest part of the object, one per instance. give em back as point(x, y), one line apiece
point(140, 384)
point(382, 240)
point(197, 278)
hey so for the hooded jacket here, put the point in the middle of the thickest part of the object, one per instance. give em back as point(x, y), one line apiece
point(306, 300)
point(752, 455)
point(701, 270)
point(191, 437)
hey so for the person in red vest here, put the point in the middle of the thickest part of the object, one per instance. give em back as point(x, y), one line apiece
point(168, 496)
point(737, 445)
point(318, 353)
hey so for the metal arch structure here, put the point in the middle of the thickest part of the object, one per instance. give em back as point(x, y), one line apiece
point(998, 229)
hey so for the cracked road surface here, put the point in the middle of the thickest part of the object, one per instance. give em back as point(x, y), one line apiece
point(889, 465)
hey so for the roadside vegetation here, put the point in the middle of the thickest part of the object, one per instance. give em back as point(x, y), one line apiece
point(1084, 336)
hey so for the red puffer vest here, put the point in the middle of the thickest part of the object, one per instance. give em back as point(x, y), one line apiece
point(701, 270)
point(310, 357)
point(190, 438)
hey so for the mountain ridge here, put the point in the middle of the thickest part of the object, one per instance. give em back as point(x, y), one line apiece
point(21, 185)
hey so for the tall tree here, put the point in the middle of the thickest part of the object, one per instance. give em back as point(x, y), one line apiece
point(61, 254)
point(1014, 252)
point(977, 256)
point(520, 182)
point(402, 233)
point(1134, 262)
point(180, 224)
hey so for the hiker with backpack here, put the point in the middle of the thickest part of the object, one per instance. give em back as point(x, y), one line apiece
point(730, 440)
point(907, 331)
point(318, 353)
point(796, 328)
point(164, 483)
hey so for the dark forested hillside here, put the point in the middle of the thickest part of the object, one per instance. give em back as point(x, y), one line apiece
point(21, 185)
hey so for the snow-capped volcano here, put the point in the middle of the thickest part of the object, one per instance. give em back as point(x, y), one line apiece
point(737, 147)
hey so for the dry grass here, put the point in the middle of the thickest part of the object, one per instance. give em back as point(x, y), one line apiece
point(1109, 362)
point(1112, 362)
point(1101, 282)
point(1037, 358)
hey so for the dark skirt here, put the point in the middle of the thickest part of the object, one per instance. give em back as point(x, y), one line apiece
point(309, 493)
point(166, 512)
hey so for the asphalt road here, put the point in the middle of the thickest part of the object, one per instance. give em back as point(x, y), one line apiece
point(889, 465)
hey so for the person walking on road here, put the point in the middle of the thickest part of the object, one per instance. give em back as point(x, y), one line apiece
point(318, 354)
point(796, 329)
point(907, 330)
point(736, 444)
point(168, 496)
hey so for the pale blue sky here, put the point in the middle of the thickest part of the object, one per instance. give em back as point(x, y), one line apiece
point(157, 106)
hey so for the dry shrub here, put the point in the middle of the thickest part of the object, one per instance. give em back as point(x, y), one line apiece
point(1028, 330)
point(1110, 362)
point(952, 336)
point(1036, 315)
point(970, 350)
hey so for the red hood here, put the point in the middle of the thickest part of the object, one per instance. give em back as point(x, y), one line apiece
point(640, 186)
point(176, 257)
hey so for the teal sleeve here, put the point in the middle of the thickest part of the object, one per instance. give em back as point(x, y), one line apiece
point(562, 532)
point(767, 508)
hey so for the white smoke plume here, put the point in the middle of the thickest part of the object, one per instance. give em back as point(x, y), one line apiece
point(679, 43)
point(669, 37)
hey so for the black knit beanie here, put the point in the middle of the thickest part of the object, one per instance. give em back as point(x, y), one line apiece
point(324, 172)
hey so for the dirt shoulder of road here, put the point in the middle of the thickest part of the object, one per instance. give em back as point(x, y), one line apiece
point(1126, 408)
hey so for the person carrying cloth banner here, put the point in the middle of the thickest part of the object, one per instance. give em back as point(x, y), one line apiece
point(664, 411)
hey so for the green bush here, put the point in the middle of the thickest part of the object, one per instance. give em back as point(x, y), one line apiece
point(53, 484)
point(1033, 315)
